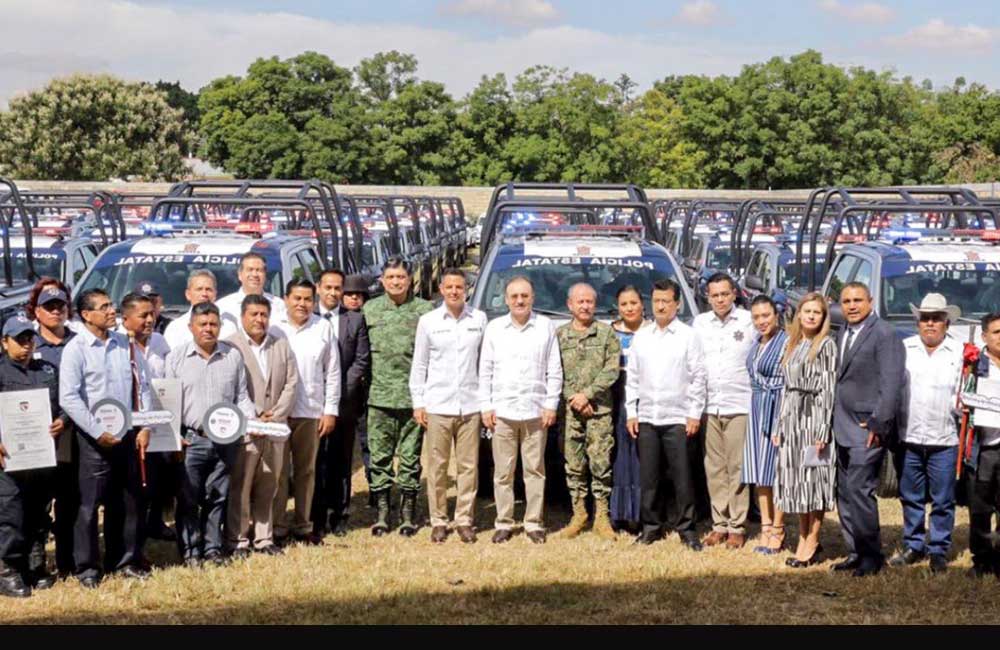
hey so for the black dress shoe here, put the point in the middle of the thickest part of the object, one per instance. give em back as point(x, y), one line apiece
point(40, 579)
point(12, 585)
point(340, 528)
point(90, 581)
point(979, 570)
point(309, 539)
point(537, 536)
point(866, 570)
point(270, 549)
point(217, 558)
point(939, 564)
point(649, 537)
point(241, 553)
point(691, 541)
point(502, 535)
point(850, 564)
point(134, 572)
point(907, 557)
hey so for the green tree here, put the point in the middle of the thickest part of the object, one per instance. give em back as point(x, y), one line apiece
point(301, 117)
point(485, 122)
point(652, 149)
point(92, 128)
point(386, 74)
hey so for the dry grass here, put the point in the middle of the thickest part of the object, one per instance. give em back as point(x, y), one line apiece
point(361, 579)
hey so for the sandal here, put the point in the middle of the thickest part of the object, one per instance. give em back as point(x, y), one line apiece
point(766, 534)
point(777, 539)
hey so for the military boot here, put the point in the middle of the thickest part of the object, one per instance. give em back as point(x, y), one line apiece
point(602, 521)
point(408, 514)
point(381, 526)
point(577, 523)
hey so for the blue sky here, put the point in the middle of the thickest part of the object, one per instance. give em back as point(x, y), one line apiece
point(457, 41)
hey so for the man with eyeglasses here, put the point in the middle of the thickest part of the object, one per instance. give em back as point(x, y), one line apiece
point(929, 434)
point(97, 365)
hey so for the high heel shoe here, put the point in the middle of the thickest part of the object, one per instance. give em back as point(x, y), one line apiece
point(796, 563)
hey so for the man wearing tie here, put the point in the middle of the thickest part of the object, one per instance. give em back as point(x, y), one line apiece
point(869, 387)
point(332, 499)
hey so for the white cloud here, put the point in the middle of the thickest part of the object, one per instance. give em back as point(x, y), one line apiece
point(517, 13)
point(939, 35)
point(699, 12)
point(195, 45)
point(867, 12)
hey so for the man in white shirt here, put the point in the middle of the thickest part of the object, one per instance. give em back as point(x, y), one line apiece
point(201, 287)
point(316, 407)
point(443, 386)
point(929, 434)
point(138, 323)
point(726, 335)
point(664, 398)
point(520, 380)
point(252, 274)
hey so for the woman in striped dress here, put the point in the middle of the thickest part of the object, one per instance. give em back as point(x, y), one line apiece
point(759, 453)
point(805, 480)
point(625, 489)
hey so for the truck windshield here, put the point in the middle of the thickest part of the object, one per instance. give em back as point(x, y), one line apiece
point(552, 278)
point(973, 287)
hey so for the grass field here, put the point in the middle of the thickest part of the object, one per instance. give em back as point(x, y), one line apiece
point(360, 579)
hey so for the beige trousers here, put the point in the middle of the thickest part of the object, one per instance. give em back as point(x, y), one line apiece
point(442, 432)
point(724, 438)
point(298, 476)
point(529, 436)
point(252, 487)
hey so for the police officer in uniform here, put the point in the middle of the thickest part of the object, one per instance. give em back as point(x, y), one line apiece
point(25, 495)
point(392, 327)
point(590, 359)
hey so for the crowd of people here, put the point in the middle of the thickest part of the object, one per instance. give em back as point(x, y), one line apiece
point(796, 415)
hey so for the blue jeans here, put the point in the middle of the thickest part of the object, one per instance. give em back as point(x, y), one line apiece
point(928, 471)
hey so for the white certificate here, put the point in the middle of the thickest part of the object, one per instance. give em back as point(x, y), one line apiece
point(25, 416)
point(989, 388)
point(166, 397)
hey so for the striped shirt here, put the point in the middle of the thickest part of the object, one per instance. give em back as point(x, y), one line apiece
point(206, 382)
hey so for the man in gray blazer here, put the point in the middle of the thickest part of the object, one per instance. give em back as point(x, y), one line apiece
point(869, 387)
point(272, 377)
point(332, 498)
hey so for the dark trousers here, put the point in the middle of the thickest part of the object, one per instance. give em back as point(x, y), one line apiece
point(108, 477)
point(984, 500)
point(66, 508)
point(333, 475)
point(663, 463)
point(361, 429)
point(161, 486)
point(24, 518)
point(203, 495)
point(857, 480)
point(928, 470)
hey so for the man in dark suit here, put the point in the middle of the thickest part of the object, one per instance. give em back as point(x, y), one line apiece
point(332, 498)
point(869, 385)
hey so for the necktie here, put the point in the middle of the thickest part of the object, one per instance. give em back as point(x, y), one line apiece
point(136, 406)
point(849, 341)
point(328, 315)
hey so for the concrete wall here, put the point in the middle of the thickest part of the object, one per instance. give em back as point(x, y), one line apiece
point(475, 199)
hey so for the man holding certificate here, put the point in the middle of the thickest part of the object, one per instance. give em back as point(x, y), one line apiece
point(215, 407)
point(99, 388)
point(29, 392)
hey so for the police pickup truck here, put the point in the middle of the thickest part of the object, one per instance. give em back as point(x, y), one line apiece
point(168, 259)
point(554, 260)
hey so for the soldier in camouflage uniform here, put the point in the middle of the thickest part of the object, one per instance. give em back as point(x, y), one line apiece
point(392, 326)
point(590, 359)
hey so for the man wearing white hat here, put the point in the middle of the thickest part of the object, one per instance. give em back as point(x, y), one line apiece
point(929, 434)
